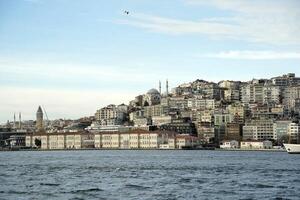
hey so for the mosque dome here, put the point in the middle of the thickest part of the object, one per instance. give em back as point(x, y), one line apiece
point(153, 91)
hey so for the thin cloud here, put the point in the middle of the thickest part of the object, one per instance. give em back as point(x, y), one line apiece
point(253, 55)
point(257, 21)
point(59, 103)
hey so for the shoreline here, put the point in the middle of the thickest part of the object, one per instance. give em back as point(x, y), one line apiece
point(118, 149)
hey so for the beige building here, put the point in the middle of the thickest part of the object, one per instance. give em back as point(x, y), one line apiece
point(69, 140)
point(186, 141)
point(256, 144)
point(159, 120)
point(135, 139)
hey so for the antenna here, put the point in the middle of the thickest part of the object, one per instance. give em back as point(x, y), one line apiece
point(20, 120)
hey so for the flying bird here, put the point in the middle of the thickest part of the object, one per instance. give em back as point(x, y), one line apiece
point(126, 12)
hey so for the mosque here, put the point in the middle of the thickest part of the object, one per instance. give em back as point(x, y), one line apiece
point(153, 96)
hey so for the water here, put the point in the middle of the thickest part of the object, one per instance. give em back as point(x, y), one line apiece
point(149, 175)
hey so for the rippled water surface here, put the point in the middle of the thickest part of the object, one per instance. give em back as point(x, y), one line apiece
point(149, 175)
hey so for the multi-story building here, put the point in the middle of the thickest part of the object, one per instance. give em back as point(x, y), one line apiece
point(201, 104)
point(259, 129)
point(233, 131)
point(237, 111)
point(186, 141)
point(160, 120)
point(205, 116)
point(281, 129)
point(293, 132)
point(181, 126)
point(111, 114)
point(222, 118)
point(290, 97)
point(232, 90)
point(256, 144)
point(271, 94)
point(137, 139)
point(156, 110)
point(206, 132)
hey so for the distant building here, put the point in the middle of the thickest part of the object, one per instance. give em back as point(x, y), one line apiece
point(256, 145)
point(293, 132)
point(181, 126)
point(112, 114)
point(206, 132)
point(233, 131)
point(222, 118)
point(229, 144)
point(259, 130)
point(39, 119)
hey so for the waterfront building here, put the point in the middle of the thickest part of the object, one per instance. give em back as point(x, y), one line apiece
point(17, 141)
point(259, 130)
point(250, 132)
point(186, 140)
point(136, 139)
point(233, 131)
point(206, 132)
point(256, 145)
point(229, 144)
point(293, 132)
point(281, 129)
point(57, 141)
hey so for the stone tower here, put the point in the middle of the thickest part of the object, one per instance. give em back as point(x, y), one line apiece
point(39, 119)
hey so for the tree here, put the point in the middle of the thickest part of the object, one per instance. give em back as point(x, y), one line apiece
point(37, 142)
point(283, 139)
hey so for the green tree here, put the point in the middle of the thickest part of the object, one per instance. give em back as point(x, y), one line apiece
point(37, 142)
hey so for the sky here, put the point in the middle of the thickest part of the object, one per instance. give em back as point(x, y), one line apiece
point(76, 56)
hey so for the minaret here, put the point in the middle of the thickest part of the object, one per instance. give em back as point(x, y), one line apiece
point(20, 121)
point(167, 87)
point(39, 119)
point(14, 120)
point(159, 87)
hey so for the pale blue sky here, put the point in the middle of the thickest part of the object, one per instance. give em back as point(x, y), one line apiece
point(75, 56)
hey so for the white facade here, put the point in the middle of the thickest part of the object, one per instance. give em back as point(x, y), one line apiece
point(256, 144)
point(160, 120)
point(201, 104)
point(233, 144)
point(293, 131)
